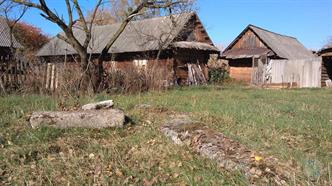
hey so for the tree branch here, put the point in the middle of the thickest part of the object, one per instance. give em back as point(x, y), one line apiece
point(70, 14)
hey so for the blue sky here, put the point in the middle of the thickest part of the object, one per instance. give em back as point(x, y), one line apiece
point(308, 20)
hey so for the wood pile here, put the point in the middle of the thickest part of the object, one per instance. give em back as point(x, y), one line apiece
point(196, 75)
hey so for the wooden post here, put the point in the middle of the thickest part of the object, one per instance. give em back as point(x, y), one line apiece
point(56, 77)
point(48, 72)
point(52, 77)
point(252, 71)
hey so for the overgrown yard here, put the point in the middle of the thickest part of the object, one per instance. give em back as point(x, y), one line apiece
point(294, 126)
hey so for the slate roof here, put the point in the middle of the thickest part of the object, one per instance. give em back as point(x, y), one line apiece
point(283, 46)
point(5, 35)
point(138, 36)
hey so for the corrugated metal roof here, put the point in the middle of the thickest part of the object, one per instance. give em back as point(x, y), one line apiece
point(5, 35)
point(138, 36)
point(284, 46)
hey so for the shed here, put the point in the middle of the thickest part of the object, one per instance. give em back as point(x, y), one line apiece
point(261, 57)
point(176, 40)
point(326, 54)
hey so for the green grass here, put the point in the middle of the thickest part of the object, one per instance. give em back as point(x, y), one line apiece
point(293, 125)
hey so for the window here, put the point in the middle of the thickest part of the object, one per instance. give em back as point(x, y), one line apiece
point(141, 63)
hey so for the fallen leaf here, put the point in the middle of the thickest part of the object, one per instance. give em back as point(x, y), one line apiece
point(258, 158)
point(118, 172)
point(91, 156)
point(151, 182)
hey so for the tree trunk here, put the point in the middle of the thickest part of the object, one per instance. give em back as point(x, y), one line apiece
point(100, 73)
point(86, 75)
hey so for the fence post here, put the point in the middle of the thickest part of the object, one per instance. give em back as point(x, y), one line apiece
point(48, 72)
point(52, 77)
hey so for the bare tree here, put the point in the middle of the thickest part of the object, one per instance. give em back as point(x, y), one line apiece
point(73, 7)
point(86, 26)
point(328, 42)
point(102, 17)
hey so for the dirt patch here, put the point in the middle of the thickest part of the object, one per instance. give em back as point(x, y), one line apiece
point(229, 154)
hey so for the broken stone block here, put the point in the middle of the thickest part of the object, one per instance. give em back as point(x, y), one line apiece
point(79, 119)
point(99, 105)
point(229, 154)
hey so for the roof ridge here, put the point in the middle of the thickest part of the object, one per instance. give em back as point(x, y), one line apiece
point(152, 18)
point(263, 29)
point(157, 17)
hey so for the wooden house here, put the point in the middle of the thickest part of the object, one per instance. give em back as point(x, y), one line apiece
point(6, 41)
point(175, 40)
point(326, 54)
point(261, 57)
point(10, 69)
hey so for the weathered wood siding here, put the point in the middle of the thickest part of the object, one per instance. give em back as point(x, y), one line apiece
point(305, 73)
point(241, 69)
point(161, 70)
point(200, 33)
point(194, 31)
point(241, 73)
point(184, 57)
point(249, 40)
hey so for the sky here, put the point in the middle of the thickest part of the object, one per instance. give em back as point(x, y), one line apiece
point(310, 21)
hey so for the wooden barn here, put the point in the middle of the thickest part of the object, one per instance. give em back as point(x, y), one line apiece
point(264, 58)
point(326, 54)
point(179, 42)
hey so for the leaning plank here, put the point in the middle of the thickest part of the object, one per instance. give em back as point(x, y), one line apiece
point(100, 105)
point(79, 119)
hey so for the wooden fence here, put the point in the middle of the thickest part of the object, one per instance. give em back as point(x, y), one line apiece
point(60, 75)
point(12, 74)
point(44, 76)
point(304, 73)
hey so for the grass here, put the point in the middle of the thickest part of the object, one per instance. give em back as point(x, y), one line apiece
point(293, 125)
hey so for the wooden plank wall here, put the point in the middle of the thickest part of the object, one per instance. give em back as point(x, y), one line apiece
point(249, 40)
point(241, 73)
point(305, 73)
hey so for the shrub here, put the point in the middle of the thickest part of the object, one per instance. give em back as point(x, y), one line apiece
point(217, 75)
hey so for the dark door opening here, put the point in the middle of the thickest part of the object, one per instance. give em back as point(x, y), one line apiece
point(326, 70)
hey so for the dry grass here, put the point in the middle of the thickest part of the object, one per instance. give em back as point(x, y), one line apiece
point(292, 125)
